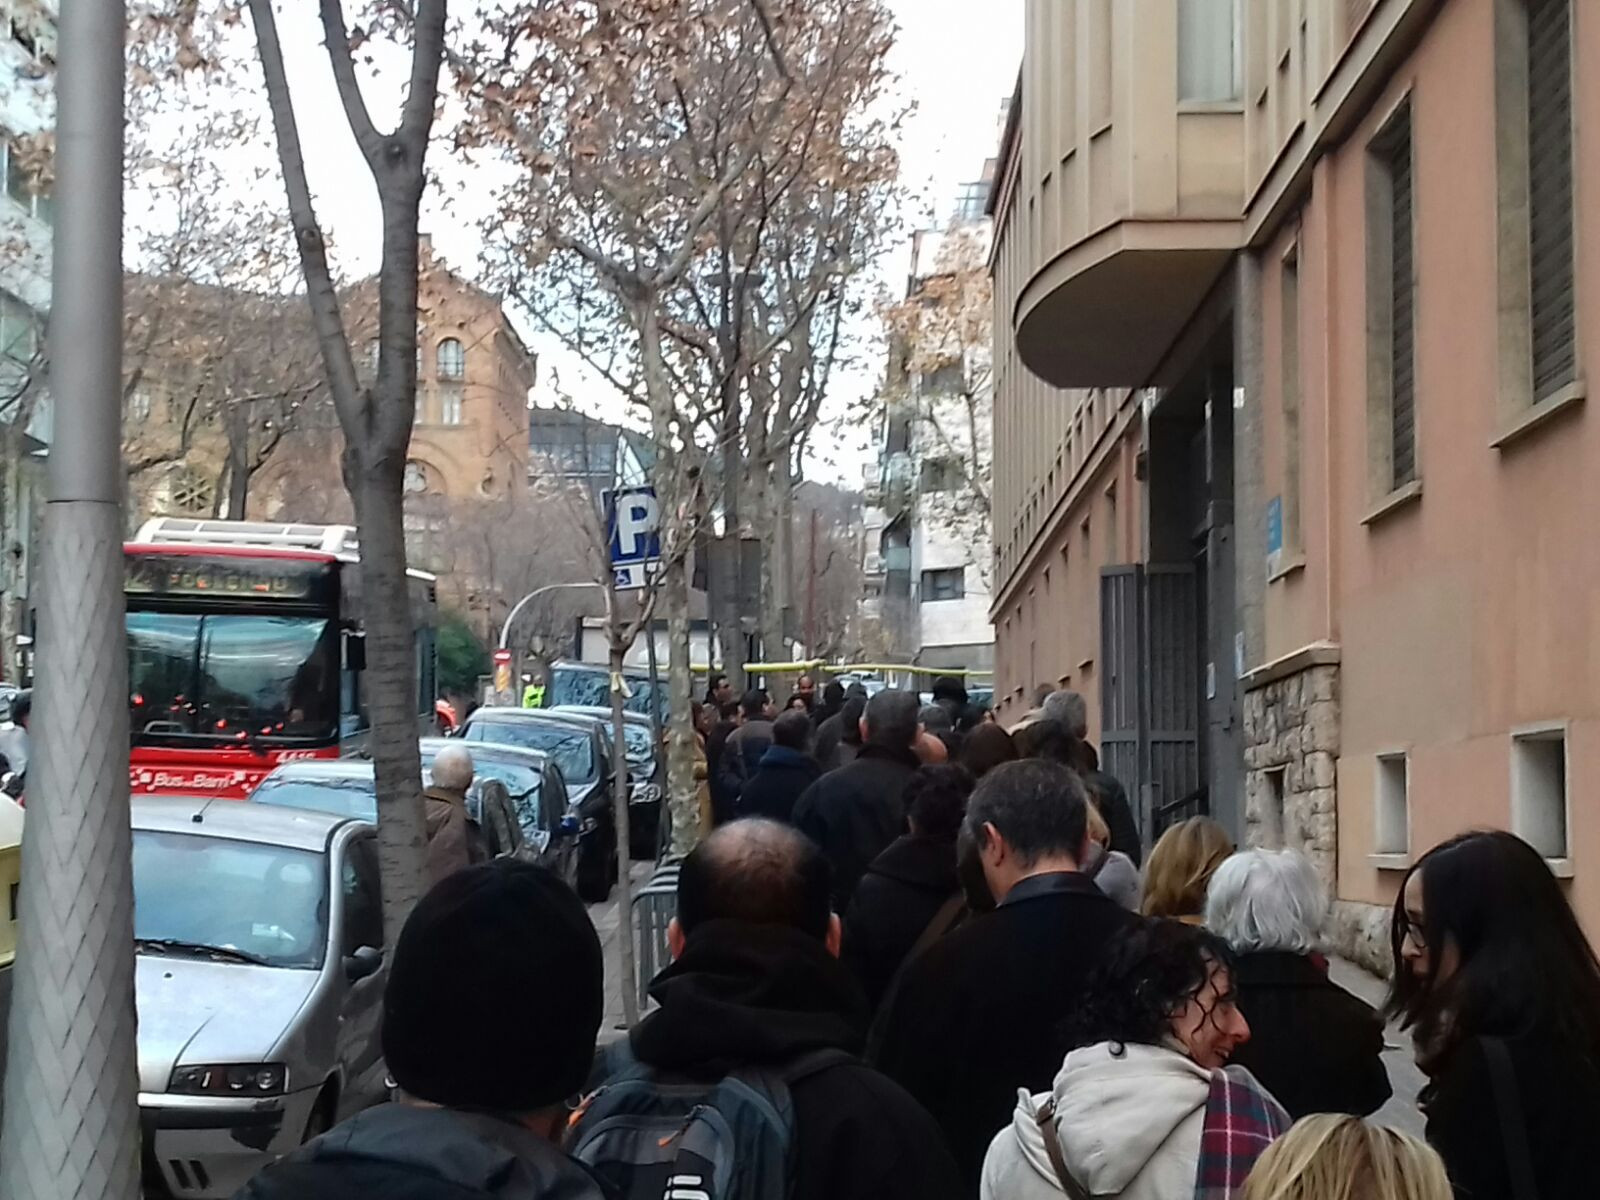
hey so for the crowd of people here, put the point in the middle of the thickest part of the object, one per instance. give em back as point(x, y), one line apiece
point(922, 956)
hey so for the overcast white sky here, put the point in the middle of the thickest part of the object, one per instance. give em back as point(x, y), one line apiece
point(956, 58)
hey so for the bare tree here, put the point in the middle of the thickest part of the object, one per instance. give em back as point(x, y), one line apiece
point(376, 419)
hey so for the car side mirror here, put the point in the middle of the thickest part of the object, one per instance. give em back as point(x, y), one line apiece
point(363, 964)
point(355, 650)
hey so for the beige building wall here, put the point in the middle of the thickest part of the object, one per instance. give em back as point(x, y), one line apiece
point(1437, 637)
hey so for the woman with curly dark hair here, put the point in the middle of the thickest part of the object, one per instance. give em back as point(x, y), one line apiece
point(1148, 1087)
point(1502, 993)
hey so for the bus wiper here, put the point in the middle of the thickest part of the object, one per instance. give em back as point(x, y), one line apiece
point(226, 953)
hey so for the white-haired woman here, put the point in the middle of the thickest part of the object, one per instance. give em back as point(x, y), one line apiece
point(1313, 1045)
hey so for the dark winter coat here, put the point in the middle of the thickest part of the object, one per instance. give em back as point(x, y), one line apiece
point(1560, 1100)
point(980, 1013)
point(1313, 1045)
point(855, 812)
point(765, 995)
point(903, 890)
point(777, 784)
point(722, 803)
point(1112, 799)
point(741, 756)
point(829, 731)
point(397, 1152)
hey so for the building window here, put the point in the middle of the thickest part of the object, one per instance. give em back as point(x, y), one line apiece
point(188, 491)
point(1393, 832)
point(1208, 51)
point(1539, 790)
point(452, 360)
point(1289, 338)
point(1550, 194)
point(1534, 179)
point(971, 199)
point(28, 190)
point(450, 404)
point(1391, 306)
point(942, 474)
point(947, 584)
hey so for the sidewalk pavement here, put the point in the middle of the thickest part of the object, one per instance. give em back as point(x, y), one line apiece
point(607, 920)
point(1405, 1076)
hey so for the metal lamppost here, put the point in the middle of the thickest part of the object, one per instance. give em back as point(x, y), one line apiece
point(71, 1126)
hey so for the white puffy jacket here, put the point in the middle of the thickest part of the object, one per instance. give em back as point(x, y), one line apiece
point(1128, 1122)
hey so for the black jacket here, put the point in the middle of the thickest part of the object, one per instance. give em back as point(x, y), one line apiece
point(397, 1152)
point(902, 891)
point(741, 755)
point(829, 731)
point(722, 803)
point(1313, 1045)
point(777, 784)
point(1118, 814)
point(761, 994)
point(855, 812)
point(1560, 1099)
point(979, 1014)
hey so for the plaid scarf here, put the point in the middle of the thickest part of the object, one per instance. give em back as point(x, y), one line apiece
point(1242, 1120)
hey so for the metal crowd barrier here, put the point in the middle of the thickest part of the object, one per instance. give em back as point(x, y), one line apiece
point(653, 908)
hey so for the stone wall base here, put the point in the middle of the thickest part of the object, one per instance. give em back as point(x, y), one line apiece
point(1360, 932)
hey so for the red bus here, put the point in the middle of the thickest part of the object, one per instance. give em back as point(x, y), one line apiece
point(245, 650)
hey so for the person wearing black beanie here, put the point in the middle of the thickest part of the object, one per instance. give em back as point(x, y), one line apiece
point(491, 1011)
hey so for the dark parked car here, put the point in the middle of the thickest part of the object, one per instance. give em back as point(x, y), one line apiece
point(578, 745)
point(647, 773)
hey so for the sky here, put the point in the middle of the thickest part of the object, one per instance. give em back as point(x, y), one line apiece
point(956, 60)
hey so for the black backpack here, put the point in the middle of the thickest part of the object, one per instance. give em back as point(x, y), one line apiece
point(657, 1136)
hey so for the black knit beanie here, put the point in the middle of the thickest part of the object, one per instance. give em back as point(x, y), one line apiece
point(496, 993)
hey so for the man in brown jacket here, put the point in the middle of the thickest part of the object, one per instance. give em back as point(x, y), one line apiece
point(453, 843)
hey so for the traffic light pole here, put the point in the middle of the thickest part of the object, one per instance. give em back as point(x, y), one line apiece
point(71, 1124)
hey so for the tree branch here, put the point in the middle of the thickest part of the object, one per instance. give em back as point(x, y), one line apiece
point(337, 39)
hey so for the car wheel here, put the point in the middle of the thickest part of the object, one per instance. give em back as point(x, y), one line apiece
point(594, 868)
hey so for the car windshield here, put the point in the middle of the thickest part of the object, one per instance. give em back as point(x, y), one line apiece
point(232, 676)
point(348, 797)
point(571, 748)
point(589, 687)
point(268, 903)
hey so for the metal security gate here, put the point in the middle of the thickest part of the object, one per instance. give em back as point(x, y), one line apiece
point(1150, 694)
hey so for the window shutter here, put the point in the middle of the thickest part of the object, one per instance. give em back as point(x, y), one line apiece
point(1355, 12)
point(1403, 363)
point(1550, 194)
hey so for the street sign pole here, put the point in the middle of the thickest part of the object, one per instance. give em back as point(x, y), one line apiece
point(71, 1125)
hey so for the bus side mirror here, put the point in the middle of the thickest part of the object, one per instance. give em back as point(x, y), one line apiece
point(355, 650)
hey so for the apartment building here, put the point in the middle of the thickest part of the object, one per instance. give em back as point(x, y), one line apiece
point(1329, 264)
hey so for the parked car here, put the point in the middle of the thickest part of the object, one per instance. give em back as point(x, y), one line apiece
point(347, 787)
point(259, 977)
point(647, 773)
point(578, 745)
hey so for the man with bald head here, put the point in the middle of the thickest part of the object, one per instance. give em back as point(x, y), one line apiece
point(454, 843)
point(756, 983)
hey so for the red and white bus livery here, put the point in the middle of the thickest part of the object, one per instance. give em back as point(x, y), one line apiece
point(245, 650)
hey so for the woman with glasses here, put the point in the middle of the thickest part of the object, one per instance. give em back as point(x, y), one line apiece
point(1502, 994)
point(1130, 1109)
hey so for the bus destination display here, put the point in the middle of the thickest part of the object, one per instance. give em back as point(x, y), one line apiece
point(226, 577)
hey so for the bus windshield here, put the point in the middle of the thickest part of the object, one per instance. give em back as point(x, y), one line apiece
point(232, 677)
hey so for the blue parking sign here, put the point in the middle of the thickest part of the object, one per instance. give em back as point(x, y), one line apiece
point(633, 525)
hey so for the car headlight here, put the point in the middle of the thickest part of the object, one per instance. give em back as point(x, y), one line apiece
point(230, 1079)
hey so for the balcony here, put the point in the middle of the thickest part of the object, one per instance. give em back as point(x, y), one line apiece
point(1123, 178)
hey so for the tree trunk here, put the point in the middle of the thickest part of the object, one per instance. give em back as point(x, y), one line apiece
point(619, 794)
point(681, 786)
point(391, 691)
point(774, 646)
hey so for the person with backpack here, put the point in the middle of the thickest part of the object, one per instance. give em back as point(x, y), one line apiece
point(483, 1046)
point(745, 1083)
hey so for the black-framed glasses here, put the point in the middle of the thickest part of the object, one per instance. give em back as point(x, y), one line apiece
point(1413, 929)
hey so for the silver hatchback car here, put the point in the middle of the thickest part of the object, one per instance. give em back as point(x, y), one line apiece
point(260, 978)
